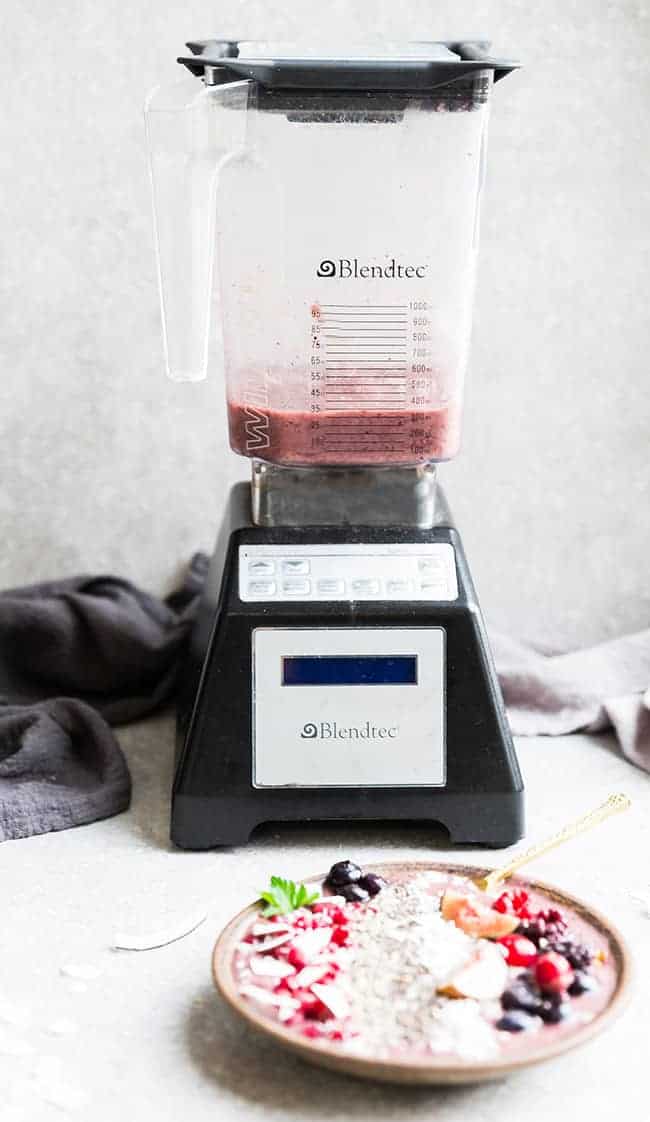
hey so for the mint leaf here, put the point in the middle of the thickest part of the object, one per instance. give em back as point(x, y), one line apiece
point(284, 896)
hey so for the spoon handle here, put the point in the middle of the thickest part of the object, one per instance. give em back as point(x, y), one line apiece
point(614, 805)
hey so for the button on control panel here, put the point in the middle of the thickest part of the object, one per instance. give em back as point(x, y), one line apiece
point(322, 573)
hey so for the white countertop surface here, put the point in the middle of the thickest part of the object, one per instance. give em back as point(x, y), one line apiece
point(92, 1033)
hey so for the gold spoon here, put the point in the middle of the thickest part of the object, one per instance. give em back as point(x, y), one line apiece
point(614, 805)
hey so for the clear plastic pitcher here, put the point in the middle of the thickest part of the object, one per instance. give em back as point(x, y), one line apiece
point(323, 214)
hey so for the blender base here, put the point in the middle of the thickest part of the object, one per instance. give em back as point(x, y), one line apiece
point(228, 780)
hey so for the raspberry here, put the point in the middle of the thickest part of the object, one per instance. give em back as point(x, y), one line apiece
point(340, 936)
point(520, 951)
point(553, 973)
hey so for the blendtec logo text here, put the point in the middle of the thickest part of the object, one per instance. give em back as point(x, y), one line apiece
point(331, 730)
point(352, 268)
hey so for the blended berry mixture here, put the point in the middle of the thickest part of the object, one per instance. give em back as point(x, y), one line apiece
point(344, 437)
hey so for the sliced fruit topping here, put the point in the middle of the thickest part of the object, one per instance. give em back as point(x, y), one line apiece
point(553, 973)
point(519, 951)
point(475, 917)
point(482, 978)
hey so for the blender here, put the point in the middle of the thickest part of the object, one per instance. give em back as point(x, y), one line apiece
point(317, 217)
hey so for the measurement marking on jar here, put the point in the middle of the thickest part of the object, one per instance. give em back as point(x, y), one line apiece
point(366, 396)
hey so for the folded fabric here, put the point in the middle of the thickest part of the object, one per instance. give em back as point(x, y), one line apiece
point(602, 687)
point(74, 655)
point(60, 766)
point(78, 653)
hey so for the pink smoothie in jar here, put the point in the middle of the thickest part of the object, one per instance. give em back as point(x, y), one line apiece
point(345, 438)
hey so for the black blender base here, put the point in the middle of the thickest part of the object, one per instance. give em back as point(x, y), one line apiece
point(214, 802)
point(488, 820)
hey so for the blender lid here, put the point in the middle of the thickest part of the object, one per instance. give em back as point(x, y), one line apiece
point(414, 67)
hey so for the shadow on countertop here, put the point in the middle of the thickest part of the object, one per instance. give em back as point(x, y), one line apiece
point(255, 1069)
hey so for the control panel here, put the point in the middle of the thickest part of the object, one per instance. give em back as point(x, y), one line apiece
point(404, 571)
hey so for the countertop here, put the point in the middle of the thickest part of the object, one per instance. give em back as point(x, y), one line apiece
point(94, 1033)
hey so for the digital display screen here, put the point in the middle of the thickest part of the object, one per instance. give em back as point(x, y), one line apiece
point(350, 670)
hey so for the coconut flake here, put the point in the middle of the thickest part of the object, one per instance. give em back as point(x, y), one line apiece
point(271, 944)
point(269, 928)
point(333, 998)
point(312, 942)
point(162, 938)
point(268, 967)
point(267, 997)
point(309, 974)
point(83, 971)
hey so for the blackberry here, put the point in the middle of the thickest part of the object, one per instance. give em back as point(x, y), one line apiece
point(523, 994)
point(582, 983)
point(552, 1012)
point(372, 883)
point(577, 954)
point(517, 1021)
point(343, 872)
point(354, 893)
point(543, 928)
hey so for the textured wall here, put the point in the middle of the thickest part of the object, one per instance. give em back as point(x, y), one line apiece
point(106, 465)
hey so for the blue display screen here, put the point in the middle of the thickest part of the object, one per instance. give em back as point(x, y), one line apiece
point(350, 670)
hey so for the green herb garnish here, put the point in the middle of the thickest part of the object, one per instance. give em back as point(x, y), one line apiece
point(285, 896)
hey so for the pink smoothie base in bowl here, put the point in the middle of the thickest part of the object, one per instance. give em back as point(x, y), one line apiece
point(397, 983)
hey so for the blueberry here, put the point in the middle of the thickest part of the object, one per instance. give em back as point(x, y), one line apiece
point(354, 893)
point(582, 983)
point(576, 954)
point(517, 1021)
point(372, 883)
point(523, 995)
point(343, 872)
point(552, 1012)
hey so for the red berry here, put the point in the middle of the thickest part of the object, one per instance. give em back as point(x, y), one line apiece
point(340, 936)
point(520, 951)
point(511, 902)
point(553, 972)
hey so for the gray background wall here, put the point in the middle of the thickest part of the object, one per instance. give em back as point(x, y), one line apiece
point(105, 465)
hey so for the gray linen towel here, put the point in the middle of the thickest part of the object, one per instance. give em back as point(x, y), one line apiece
point(602, 687)
point(74, 655)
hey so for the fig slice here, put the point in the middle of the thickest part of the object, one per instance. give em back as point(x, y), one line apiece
point(475, 917)
point(483, 978)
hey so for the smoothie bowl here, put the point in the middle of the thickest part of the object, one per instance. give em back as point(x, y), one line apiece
point(410, 973)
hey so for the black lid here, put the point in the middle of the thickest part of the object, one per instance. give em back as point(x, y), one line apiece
point(413, 68)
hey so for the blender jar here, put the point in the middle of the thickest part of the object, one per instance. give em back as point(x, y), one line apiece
point(329, 209)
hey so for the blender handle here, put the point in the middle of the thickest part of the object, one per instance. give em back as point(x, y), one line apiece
point(188, 137)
